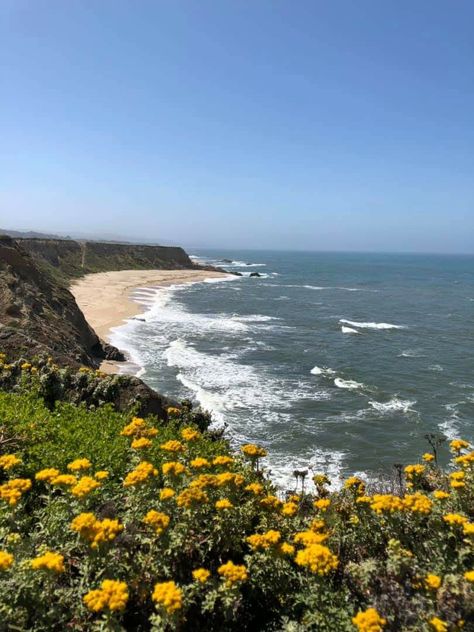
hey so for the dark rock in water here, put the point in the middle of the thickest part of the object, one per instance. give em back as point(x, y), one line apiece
point(112, 353)
point(236, 273)
point(255, 274)
point(142, 320)
point(226, 260)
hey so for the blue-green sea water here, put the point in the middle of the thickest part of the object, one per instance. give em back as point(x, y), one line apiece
point(334, 362)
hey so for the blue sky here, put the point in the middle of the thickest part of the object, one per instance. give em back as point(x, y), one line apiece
point(335, 125)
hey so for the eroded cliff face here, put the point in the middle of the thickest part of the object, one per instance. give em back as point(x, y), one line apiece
point(72, 259)
point(39, 315)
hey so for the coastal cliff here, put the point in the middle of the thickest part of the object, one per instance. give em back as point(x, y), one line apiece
point(66, 259)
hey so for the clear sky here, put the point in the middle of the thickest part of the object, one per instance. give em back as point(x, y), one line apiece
point(308, 124)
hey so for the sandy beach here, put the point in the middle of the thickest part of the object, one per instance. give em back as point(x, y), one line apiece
point(105, 297)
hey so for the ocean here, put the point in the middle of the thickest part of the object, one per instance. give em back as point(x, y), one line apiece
point(336, 363)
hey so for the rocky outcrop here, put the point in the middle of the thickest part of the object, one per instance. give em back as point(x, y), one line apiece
point(39, 315)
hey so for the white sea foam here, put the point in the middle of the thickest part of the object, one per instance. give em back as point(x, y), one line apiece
point(316, 370)
point(370, 325)
point(394, 405)
point(349, 330)
point(349, 384)
point(410, 353)
point(436, 367)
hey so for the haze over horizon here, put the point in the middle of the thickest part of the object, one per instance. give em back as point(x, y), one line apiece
point(316, 126)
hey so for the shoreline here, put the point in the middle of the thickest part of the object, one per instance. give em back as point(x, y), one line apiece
point(105, 297)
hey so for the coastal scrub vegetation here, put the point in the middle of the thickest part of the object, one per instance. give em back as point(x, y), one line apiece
point(109, 521)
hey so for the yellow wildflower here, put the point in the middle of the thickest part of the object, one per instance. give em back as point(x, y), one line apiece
point(264, 540)
point(458, 444)
point(233, 573)
point(270, 502)
point(201, 575)
point(64, 479)
point(287, 549)
point(440, 495)
point(322, 504)
point(172, 410)
point(432, 581)
point(112, 595)
point(255, 488)
point(317, 558)
point(417, 503)
point(49, 561)
point(222, 460)
point(199, 462)
point(140, 474)
point(96, 531)
point(136, 426)
point(253, 451)
point(438, 625)
point(47, 475)
point(468, 528)
point(173, 446)
point(191, 496)
point(157, 520)
point(6, 560)
point(85, 485)
point(309, 537)
point(7, 461)
point(289, 509)
point(168, 596)
point(320, 480)
point(79, 464)
point(173, 468)
point(12, 490)
point(101, 475)
point(141, 443)
point(224, 503)
point(428, 457)
point(385, 502)
point(354, 483)
point(455, 519)
point(166, 493)
point(369, 621)
point(469, 576)
point(414, 470)
point(190, 434)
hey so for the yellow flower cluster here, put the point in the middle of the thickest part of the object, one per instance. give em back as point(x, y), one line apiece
point(173, 446)
point(289, 509)
point(140, 474)
point(369, 621)
point(112, 595)
point(255, 488)
point(49, 561)
point(201, 575)
point(233, 573)
point(64, 479)
point(101, 475)
point(433, 582)
point(166, 493)
point(47, 475)
point(465, 460)
point(96, 531)
point(199, 462)
point(457, 479)
point(440, 495)
point(78, 465)
point(307, 538)
point(253, 451)
point(270, 502)
point(12, 490)
point(6, 560)
point(417, 503)
point(7, 461)
point(222, 460)
point(191, 496)
point(385, 502)
point(141, 443)
point(264, 540)
point(173, 468)
point(469, 576)
point(138, 428)
point(84, 486)
point(317, 558)
point(172, 410)
point(413, 471)
point(428, 457)
point(455, 519)
point(322, 504)
point(355, 484)
point(223, 503)
point(168, 596)
point(157, 520)
point(458, 444)
point(189, 434)
point(439, 625)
